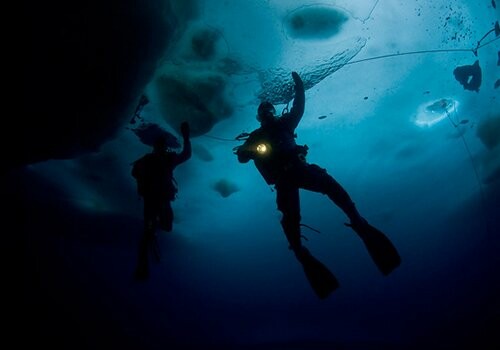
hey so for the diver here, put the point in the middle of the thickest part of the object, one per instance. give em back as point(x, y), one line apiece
point(282, 163)
point(156, 185)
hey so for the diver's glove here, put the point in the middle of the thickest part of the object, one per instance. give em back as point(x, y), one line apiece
point(297, 80)
point(244, 154)
point(185, 130)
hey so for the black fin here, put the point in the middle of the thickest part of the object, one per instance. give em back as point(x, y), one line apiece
point(322, 280)
point(380, 248)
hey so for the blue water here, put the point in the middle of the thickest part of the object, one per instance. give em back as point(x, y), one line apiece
point(226, 279)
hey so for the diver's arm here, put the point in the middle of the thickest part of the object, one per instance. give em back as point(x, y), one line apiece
point(244, 153)
point(186, 149)
point(299, 100)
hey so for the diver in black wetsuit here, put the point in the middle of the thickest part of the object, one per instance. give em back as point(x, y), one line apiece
point(282, 163)
point(156, 185)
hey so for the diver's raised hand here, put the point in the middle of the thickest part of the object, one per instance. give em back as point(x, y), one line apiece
point(297, 80)
point(185, 131)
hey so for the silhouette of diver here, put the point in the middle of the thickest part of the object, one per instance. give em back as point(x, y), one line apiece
point(282, 163)
point(156, 185)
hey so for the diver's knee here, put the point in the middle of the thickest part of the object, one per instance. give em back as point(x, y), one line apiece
point(292, 233)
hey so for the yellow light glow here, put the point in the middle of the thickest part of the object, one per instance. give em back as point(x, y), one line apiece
point(261, 148)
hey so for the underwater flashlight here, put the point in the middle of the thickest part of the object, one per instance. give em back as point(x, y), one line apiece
point(262, 148)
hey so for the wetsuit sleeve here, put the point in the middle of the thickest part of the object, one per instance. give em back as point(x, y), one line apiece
point(186, 151)
point(244, 153)
point(299, 100)
point(185, 154)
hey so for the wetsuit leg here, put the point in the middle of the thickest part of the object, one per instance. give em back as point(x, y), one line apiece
point(150, 218)
point(152, 207)
point(319, 276)
point(287, 198)
point(166, 215)
point(314, 178)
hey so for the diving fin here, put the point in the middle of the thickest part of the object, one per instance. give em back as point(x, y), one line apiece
point(320, 278)
point(380, 248)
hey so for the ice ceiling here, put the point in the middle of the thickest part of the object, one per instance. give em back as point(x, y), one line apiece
point(210, 62)
point(402, 103)
point(370, 68)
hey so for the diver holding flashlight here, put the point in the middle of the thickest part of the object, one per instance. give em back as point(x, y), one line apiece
point(282, 163)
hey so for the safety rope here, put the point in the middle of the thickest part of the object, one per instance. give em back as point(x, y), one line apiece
point(476, 173)
point(397, 54)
